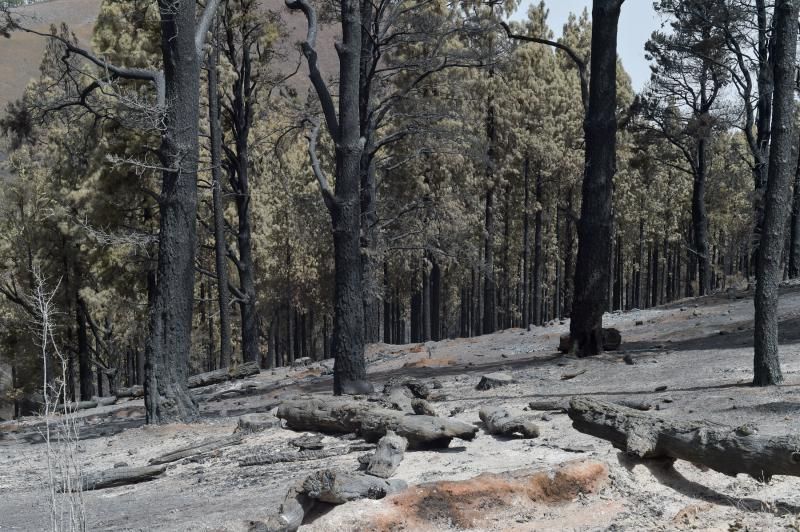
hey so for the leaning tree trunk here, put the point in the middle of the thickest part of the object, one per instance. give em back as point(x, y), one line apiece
point(766, 365)
point(167, 397)
point(220, 251)
point(594, 228)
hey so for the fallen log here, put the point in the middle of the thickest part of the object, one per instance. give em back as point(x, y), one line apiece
point(137, 390)
point(296, 504)
point(339, 487)
point(729, 450)
point(556, 405)
point(334, 487)
point(388, 455)
point(301, 456)
point(119, 476)
point(197, 449)
point(372, 422)
point(500, 421)
point(105, 401)
point(225, 374)
point(256, 422)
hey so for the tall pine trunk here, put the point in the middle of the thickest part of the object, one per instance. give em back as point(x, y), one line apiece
point(700, 218)
point(594, 229)
point(526, 245)
point(167, 397)
point(766, 364)
point(794, 241)
point(220, 250)
point(537, 252)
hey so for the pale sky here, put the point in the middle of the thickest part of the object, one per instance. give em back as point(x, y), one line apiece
point(637, 22)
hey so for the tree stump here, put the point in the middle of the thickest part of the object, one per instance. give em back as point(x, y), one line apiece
point(388, 455)
point(612, 339)
point(500, 421)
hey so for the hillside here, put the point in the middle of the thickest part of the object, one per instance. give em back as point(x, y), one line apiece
point(21, 54)
point(594, 486)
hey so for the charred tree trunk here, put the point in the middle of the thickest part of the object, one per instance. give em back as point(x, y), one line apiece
point(594, 229)
point(794, 244)
point(489, 286)
point(220, 251)
point(436, 300)
point(505, 323)
point(167, 397)
point(537, 253)
point(700, 218)
point(767, 368)
point(241, 119)
point(526, 245)
point(370, 261)
point(425, 295)
point(84, 358)
point(763, 121)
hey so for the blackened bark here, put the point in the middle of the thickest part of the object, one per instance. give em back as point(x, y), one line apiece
point(387, 307)
point(506, 288)
point(436, 300)
point(654, 290)
point(794, 243)
point(425, 328)
point(594, 228)
point(239, 172)
point(220, 251)
point(489, 286)
point(763, 121)
point(526, 244)
point(537, 252)
point(700, 218)
point(766, 364)
point(619, 276)
point(370, 260)
point(343, 203)
point(84, 361)
point(167, 397)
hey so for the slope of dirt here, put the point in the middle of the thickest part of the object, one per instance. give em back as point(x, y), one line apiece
point(706, 375)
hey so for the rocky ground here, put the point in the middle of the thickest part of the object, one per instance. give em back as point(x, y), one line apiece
point(697, 353)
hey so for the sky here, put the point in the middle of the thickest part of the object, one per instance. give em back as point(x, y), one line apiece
point(637, 22)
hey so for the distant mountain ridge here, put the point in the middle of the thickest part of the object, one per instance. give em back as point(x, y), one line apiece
point(21, 55)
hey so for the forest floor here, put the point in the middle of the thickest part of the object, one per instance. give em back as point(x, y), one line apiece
point(700, 350)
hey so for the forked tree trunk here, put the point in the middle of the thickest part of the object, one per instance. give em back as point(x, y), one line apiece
point(767, 369)
point(594, 229)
